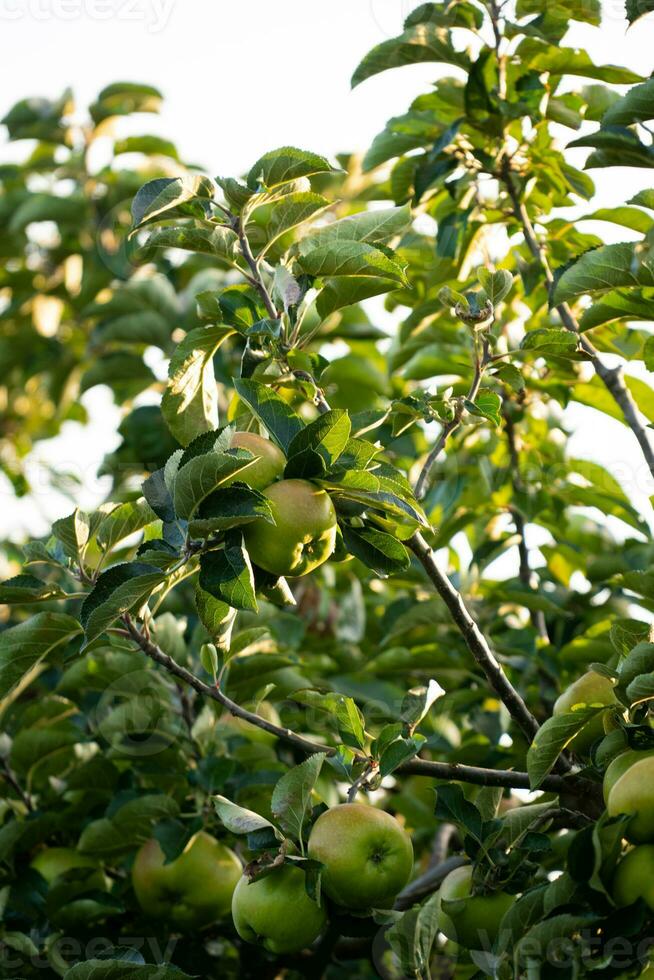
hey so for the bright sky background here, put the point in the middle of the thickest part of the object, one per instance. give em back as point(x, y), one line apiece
point(240, 78)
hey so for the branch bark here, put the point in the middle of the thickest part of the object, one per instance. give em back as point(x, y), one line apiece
point(476, 775)
point(474, 638)
point(611, 377)
point(424, 480)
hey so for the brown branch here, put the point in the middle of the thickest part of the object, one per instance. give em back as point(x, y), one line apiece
point(611, 377)
point(474, 638)
point(256, 280)
point(437, 770)
point(424, 479)
point(525, 572)
point(7, 773)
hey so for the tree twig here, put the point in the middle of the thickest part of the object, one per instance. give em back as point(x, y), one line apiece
point(7, 774)
point(525, 573)
point(424, 479)
point(474, 638)
point(611, 377)
point(437, 770)
point(257, 280)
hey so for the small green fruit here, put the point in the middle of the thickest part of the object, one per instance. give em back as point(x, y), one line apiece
point(192, 891)
point(304, 533)
point(633, 794)
point(634, 877)
point(276, 912)
point(268, 467)
point(367, 855)
point(589, 689)
point(474, 922)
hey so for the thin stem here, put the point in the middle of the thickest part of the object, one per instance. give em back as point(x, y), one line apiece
point(481, 361)
point(6, 773)
point(437, 770)
point(611, 377)
point(319, 399)
point(474, 638)
point(253, 265)
point(525, 573)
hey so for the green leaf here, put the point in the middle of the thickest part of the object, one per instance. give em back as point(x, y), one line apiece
point(315, 449)
point(453, 807)
point(129, 825)
point(190, 403)
point(343, 709)
point(348, 259)
point(539, 56)
point(553, 737)
point(496, 285)
point(271, 410)
point(291, 211)
point(118, 590)
point(638, 104)
point(124, 520)
point(420, 43)
point(24, 589)
point(641, 689)
point(286, 164)
point(24, 646)
point(238, 820)
point(164, 194)
point(380, 551)
point(119, 969)
point(73, 533)
point(372, 227)
point(219, 241)
point(291, 799)
point(550, 340)
point(226, 574)
point(345, 291)
point(638, 8)
point(376, 491)
point(488, 404)
point(202, 475)
point(605, 268)
point(230, 507)
point(399, 751)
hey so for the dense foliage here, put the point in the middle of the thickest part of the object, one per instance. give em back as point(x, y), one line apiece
point(307, 635)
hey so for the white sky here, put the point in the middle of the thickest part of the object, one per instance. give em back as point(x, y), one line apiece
point(238, 79)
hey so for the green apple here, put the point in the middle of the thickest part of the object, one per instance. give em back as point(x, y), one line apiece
point(192, 891)
point(276, 912)
point(474, 922)
point(304, 533)
point(269, 464)
point(618, 767)
point(367, 855)
point(589, 689)
point(69, 901)
point(55, 861)
point(633, 793)
point(634, 877)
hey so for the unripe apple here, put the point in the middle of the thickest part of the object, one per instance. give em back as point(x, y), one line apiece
point(192, 891)
point(633, 794)
point(276, 912)
point(268, 466)
point(474, 922)
point(367, 855)
point(618, 767)
point(589, 689)
point(634, 877)
point(304, 533)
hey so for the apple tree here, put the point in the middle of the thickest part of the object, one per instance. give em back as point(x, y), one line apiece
point(352, 676)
